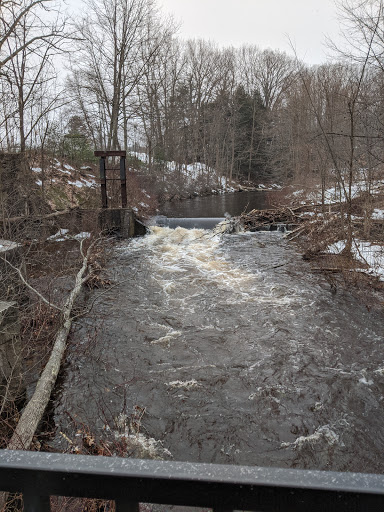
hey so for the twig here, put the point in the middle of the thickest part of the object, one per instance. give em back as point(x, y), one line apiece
point(50, 304)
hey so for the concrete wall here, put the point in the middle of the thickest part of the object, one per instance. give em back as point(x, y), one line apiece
point(115, 221)
point(120, 222)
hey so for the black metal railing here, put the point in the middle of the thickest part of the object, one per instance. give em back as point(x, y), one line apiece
point(221, 487)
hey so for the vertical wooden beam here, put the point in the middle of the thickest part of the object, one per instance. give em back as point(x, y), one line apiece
point(123, 182)
point(103, 182)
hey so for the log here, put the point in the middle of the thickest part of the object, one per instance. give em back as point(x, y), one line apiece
point(38, 217)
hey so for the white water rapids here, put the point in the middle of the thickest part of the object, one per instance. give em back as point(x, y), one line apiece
point(236, 352)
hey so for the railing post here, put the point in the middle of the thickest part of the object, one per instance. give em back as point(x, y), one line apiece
point(34, 503)
point(126, 506)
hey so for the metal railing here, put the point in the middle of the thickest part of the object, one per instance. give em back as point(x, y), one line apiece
point(221, 487)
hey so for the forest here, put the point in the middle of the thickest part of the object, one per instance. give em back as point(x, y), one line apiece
point(118, 77)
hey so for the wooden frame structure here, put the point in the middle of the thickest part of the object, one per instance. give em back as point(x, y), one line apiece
point(104, 155)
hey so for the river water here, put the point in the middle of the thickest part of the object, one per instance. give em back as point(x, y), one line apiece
point(217, 206)
point(227, 349)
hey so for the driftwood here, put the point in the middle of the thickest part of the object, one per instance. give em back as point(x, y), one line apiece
point(34, 410)
point(257, 219)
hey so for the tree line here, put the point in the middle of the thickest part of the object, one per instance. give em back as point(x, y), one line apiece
point(118, 77)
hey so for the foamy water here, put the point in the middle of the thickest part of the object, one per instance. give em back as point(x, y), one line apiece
point(236, 352)
point(194, 258)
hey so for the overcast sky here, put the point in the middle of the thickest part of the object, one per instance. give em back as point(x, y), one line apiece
point(267, 23)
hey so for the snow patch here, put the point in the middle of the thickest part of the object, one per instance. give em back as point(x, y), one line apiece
point(82, 235)
point(367, 253)
point(77, 183)
point(60, 233)
point(378, 214)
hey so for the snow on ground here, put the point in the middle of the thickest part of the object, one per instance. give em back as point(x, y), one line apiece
point(143, 157)
point(197, 170)
point(84, 183)
point(336, 193)
point(82, 235)
point(36, 169)
point(59, 236)
point(77, 183)
point(367, 253)
point(63, 235)
point(378, 214)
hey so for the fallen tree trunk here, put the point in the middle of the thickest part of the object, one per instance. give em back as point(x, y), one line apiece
point(34, 410)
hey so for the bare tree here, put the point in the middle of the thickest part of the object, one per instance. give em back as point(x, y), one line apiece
point(33, 33)
point(270, 72)
point(118, 40)
point(15, 16)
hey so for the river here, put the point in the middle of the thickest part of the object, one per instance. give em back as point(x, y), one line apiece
point(226, 349)
point(217, 206)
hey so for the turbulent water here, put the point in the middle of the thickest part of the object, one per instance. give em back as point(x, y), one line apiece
point(232, 352)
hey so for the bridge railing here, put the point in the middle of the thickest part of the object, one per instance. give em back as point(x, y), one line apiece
point(220, 487)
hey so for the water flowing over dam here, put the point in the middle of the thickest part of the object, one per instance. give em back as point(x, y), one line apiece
point(186, 222)
point(232, 351)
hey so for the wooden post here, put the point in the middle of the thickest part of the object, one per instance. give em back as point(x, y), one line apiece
point(103, 182)
point(123, 182)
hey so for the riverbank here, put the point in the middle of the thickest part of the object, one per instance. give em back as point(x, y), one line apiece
point(319, 230)
point(344, 236)
point(62, 185)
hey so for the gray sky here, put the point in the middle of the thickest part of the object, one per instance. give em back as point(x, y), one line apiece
point(266, 23)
